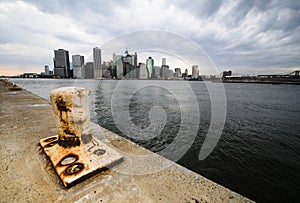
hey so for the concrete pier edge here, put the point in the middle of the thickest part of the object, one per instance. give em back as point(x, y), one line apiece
point(28, 176)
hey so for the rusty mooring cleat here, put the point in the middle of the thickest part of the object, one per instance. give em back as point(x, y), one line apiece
point(74, 152)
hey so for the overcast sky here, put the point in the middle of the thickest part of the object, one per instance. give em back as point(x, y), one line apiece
point(248, 37)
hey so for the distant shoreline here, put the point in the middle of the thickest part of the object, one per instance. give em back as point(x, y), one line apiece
point(269, 81)
point(215, 80)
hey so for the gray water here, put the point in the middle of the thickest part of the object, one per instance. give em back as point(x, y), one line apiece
point(258, 154)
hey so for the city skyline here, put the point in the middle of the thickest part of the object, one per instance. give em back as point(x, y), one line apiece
point(77, 62)
point(248, 37)
point(120, 66)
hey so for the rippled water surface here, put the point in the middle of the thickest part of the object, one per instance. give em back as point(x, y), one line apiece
point(258, 154)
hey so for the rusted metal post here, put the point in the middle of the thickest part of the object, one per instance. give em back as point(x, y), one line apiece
point(71, 106)
point(74, 152)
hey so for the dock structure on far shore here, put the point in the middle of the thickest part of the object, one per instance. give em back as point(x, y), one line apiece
point(292, 78)
point(27, 174)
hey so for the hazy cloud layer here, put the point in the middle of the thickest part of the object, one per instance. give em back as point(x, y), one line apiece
point(246, 36)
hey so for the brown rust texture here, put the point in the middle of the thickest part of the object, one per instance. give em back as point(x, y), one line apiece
point(70, 152)
point(75, 164)
point(71, 107)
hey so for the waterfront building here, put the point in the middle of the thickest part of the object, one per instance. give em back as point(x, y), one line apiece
point(78, 66)
point(177, 73)
point(62, 63)
point(124, 66)
point(89, 71)
point(143, 73)
point(106, 74)
point(171, 74)
point(128, 58)
point(97, 63)
point(106, 64)
point(113, 71)
point(195, 72)
point(135, 60)
point(47, 70)
point(156, 72)
point(114, 66)
point(227, 73)
point(149, 66)
point(106, 69)
point(164, 71)
point(185, 74)
point(29, 75)
point(129, 70)
point(118, 66)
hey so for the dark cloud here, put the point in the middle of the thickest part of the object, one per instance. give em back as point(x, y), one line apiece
point(238, 13)
point(249, 33)
point(76, 8)
point(204, 8)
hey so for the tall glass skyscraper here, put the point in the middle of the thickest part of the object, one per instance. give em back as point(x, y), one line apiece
point(118, 64)
point(97, 63)
point(78, 66)
point(47, 69)
point(149, 66)
point(62, 63)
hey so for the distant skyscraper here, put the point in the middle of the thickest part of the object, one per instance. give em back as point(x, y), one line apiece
point(78, 66)
point(128, 67)
point(164, 71)
point(106, 69)
point(89, 71)
point(97, 62)
point(47, 69)
point(156, 72)
point(118, 64)
point(143, 73)
point(195, 72)
point(149, 66)
point(177, 70)
point(171, 74)
point(177, 73)
point(185, 74)
point(135, 59)
point(163, 61)
point(62, 63)
point(128, 58)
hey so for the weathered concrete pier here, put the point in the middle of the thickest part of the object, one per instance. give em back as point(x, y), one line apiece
point(28, 176)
